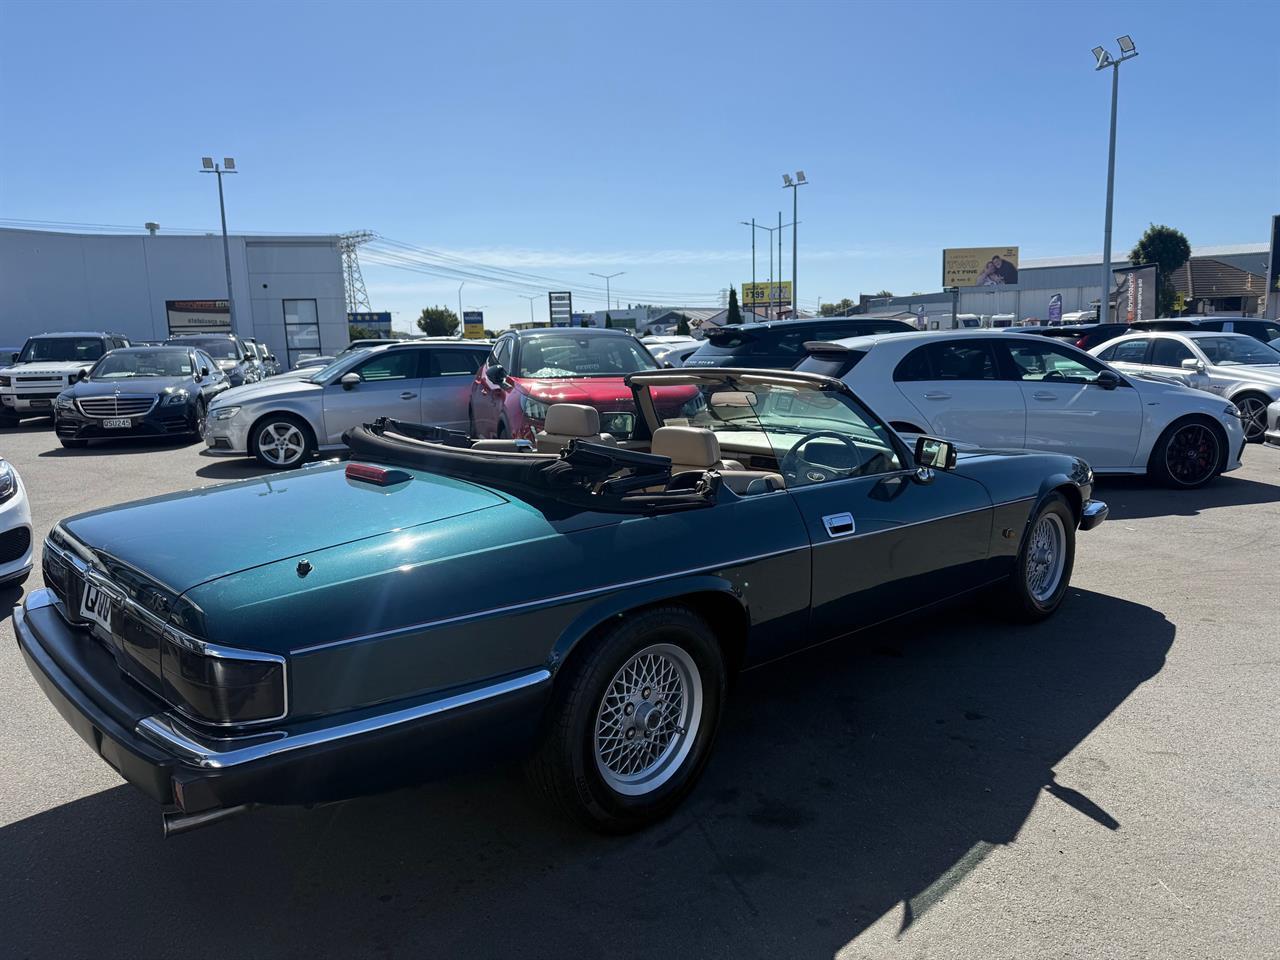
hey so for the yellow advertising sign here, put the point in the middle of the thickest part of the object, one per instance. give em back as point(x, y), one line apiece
point(979, 266)
point(763, 294)
point(473, 331)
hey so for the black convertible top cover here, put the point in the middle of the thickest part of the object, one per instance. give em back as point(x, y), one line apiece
point(583, 475)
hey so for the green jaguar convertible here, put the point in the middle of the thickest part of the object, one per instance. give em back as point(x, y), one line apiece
point(583, 596)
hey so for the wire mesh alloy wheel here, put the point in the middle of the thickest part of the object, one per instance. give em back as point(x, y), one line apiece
point(1046, 557)
point(1192, 454)
point(648, 719)
point(281, 443)
point(1253, 415)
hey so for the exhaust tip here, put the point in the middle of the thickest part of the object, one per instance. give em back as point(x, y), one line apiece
point(175, 822)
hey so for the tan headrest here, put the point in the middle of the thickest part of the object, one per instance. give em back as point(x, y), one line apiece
point(573, 420)
point(687, 446)
point(734, 404)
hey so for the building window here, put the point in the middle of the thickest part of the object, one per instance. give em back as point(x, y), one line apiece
point(301, 330)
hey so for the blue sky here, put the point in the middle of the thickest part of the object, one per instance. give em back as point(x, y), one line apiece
point(566, 139)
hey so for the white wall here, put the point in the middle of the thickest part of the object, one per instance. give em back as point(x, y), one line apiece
point(63, 281)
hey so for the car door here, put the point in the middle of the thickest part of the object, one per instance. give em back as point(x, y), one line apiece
point(1165, 361)
point(956, 384)
point(1068, 410)
point(487, 398)
point(390, 386)
point(447, 375)
point(1128, 356)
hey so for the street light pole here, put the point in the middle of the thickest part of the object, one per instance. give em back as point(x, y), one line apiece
point(606, 277)
point(461, 326)
point(228, 165)
point(1127, 51)
point(795, 186)
point(752, 225)
point(532, 297)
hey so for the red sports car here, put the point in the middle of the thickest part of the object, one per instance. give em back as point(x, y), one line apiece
point(529, 370)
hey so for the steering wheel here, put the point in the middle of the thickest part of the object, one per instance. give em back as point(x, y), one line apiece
point(794, 465)
point(1055, 376)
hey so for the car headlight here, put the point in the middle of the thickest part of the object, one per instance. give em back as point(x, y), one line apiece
point(63, 402)
point(1233, 411)
point(176, 397)
point(8, 481)
point(533, 409)
point(6, 381)
point(223, 413)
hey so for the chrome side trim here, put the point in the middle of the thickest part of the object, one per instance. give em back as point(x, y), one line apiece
point(543, 602)
point(217, 755)
point(916, 523)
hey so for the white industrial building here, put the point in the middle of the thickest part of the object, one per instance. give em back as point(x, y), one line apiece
point(287, 290)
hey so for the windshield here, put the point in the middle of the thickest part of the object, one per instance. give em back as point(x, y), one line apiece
point(567, 355)
point(1239, 350)
point(122, 364)
point(813, 435)
point(61, 349)
point(220, 348)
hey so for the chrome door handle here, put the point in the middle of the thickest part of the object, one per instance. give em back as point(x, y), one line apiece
point(1042, 395)
point(838, 524)
point(937, 395)
point(407, 395)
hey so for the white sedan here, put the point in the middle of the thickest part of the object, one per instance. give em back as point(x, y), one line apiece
point(15, 528)
point(1011, 390)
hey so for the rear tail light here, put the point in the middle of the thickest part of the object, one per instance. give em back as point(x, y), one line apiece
point(220, 685)
point(1080, 342)
point(376, 475)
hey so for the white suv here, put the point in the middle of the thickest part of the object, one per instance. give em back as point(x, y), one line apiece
point(45, 366)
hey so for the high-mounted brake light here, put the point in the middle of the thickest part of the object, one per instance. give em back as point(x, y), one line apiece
point(379, 475)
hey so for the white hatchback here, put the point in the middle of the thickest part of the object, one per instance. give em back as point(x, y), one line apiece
point(1008, 390)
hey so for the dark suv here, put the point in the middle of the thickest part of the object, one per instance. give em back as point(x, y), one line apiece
point(779, 345)
point(233, 355)
point(1086, 336)
point(1267, 331)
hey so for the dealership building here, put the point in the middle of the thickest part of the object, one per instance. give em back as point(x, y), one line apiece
point(287, 290)
point(1220, 281)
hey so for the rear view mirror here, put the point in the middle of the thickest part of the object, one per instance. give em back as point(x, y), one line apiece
point(349, 380)
point(1108, 380)
point(204, 371)
point(1191, 363)
point(935, 454)
point(13, 357)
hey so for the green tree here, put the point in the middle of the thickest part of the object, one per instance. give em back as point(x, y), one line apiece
point(438, 322)
point(1168, 249)
point(883, 293)
point(608, 321)
point(357, 332)
point(735, 314)
point(840, 309)
point(682, 328)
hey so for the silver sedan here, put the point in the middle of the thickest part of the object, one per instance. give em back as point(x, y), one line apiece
point(284, 420)
point(1232, 365)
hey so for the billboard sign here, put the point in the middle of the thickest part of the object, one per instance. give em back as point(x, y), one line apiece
point(1134, 296)
point(560, 308)
point(1055, 308)
point(767, 295)
point(375, 321)
point(198, 316)
point(473, 324)
point(979, 266)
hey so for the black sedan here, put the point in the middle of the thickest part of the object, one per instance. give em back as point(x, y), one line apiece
point(139, 391)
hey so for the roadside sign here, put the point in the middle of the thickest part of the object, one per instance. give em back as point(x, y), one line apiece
point(560, 308)
point(473, 324)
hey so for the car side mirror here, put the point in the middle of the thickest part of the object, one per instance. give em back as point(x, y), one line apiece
point(1194, 365)
point(495, 374)
point(1108, 380)
point(249, 357)
point(204, 371)
point(13, 357)
point(82, 375)
point(349, 380)
point(271, 357)
point(935, 454)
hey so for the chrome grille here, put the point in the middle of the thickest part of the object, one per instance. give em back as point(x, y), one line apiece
point(116, 406)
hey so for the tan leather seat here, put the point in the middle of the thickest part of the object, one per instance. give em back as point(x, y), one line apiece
point(690, 448)
point(749, 483)
point(570, 421)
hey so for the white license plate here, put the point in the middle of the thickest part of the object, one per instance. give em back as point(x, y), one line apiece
point(119, 423)
point(96, 606)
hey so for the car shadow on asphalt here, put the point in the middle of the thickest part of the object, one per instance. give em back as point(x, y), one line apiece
point(1138, 498)
point(127, 445)
point(853, 782)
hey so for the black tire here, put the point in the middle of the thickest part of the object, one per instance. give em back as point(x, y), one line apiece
point(1253, 415)
point(1024, 603)
point(202, 410)
point(565, 768)
point(1190, 472)
point(282, 421)
point(71, 444)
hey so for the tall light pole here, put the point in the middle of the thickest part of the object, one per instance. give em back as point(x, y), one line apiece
point(461, 325)
point(228, 165)
point(770, 231)
point(752, 225)
point(1127, 52)
point(606, 277)
point(530, 297)
point(795, 186)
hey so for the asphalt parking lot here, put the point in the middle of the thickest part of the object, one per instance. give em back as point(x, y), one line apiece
point(1105, 785)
